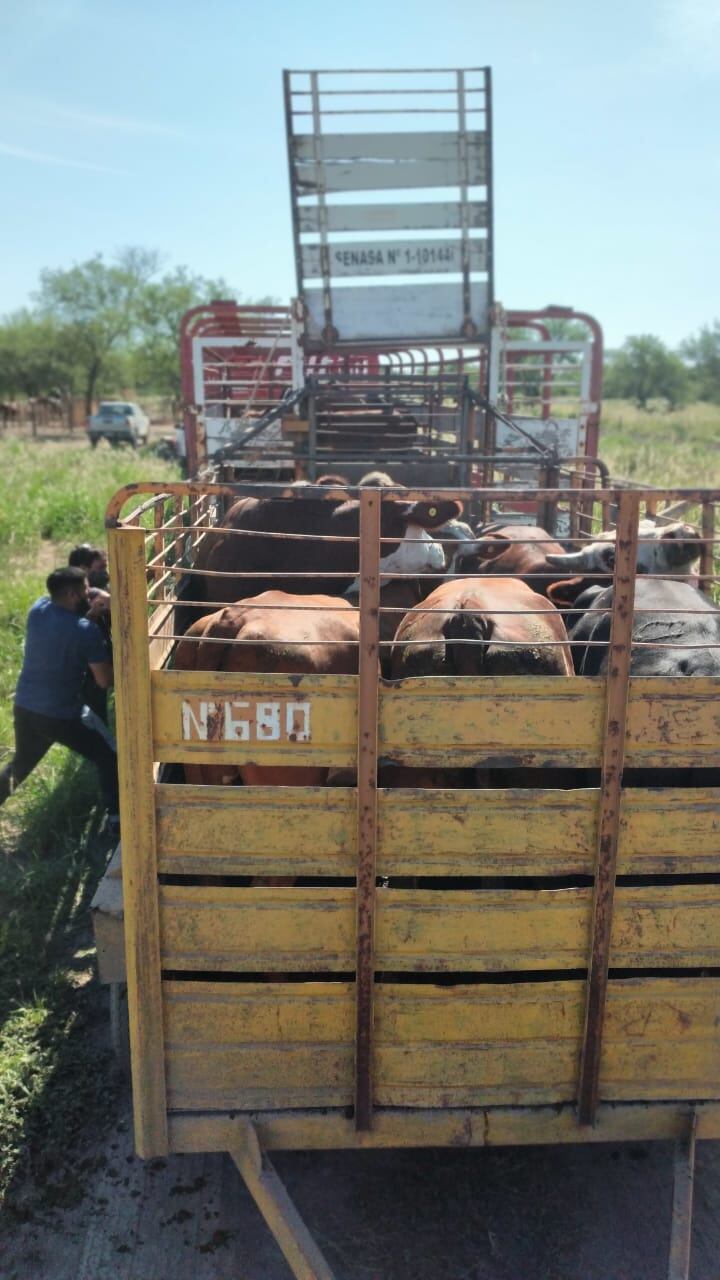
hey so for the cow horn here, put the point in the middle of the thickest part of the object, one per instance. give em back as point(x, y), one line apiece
point(571, 561)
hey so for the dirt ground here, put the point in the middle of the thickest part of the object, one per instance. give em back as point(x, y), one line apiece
point(592, 1213)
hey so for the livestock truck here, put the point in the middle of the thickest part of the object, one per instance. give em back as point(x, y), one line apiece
point(531, 956)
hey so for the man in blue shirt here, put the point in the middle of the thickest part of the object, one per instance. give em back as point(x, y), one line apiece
point(61, 642)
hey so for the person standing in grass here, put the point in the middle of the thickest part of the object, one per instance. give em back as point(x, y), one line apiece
point(62, 641)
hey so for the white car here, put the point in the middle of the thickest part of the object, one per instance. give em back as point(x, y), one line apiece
point(119, 420)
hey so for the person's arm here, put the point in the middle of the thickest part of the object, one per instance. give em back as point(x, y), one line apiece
point(99, 604)
point(102, 673)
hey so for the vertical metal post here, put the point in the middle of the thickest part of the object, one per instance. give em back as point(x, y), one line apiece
point(329, 334)
point(489, 189)
point(707, 554)
point(683, 1186)
point(312, 436)
point(467, 326)
point(370, 501)
point(613, 749)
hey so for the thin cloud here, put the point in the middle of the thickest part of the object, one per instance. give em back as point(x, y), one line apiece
point(40, 111)
point(117, 124)
point(39, 157)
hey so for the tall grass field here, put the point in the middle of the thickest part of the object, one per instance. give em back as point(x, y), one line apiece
point(56, 1078)
point(53, 1081)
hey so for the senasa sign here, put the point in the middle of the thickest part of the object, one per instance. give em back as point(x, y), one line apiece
point(282, 719)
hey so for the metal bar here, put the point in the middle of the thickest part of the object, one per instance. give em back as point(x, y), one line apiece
point(707, 554)
point(367, 800)
point(618, 680)
point(489, 185)
point(321, 172)
point(270, 1195)
point(682, 1208)
point(294, 212)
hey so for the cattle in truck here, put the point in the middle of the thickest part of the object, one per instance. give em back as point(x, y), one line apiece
point(272, 537)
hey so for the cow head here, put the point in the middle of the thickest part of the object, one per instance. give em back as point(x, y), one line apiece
point(407, 525)
point(662, 549)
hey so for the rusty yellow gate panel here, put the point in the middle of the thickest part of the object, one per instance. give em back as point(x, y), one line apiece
point(283, 1046)
point(466, 1032)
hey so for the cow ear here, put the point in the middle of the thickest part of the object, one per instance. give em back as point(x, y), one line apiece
point(431, 515)
point(566, 591)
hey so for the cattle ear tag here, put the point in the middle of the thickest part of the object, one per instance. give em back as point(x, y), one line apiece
point(432, 512)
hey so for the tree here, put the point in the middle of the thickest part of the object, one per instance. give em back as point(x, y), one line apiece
point(162, 306)
point(645, 369)
point(703, 352)
point(34, 357)
point(98, 306)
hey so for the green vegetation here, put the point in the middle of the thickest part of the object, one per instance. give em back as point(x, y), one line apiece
point(98, 327)
point(54, 1080)
point(675, 449)
point(644, 369)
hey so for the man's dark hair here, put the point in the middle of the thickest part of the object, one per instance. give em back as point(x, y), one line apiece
point(83, 555)
point(71, 577)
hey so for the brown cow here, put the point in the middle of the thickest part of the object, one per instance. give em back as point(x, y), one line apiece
point(409, 549)
point(504, 628)
point(513, 550)
point(302, 635)
point(515, 631)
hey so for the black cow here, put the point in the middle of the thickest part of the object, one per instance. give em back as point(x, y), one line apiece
point(665, 642)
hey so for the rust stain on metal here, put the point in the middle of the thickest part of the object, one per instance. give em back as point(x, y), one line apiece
point(609, 816)
point(367, 802)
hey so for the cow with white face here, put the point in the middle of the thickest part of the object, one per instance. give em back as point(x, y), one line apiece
point(662, 550)
point(312, 536)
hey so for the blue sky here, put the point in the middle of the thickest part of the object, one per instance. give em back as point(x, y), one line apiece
point(161, 124)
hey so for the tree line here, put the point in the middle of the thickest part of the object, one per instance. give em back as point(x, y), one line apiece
point(100, 326)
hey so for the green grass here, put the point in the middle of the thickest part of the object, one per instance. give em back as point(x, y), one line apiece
point(54, 1079)
point(676, 449)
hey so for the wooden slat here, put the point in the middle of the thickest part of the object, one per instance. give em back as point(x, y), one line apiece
point(265, 929)
point(613, 759)
point(437, 1046)
point(256, 830)
point(455, 721)
point(536, 720)
point(522, 720)
point(137, 813)
point(483, 1127)
point(407, 147)
point(359, 162)
point(400, 311)
point(393, 258)
point(311, 831)
point(418, 216)
point(376, 175)
point(332, 724)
